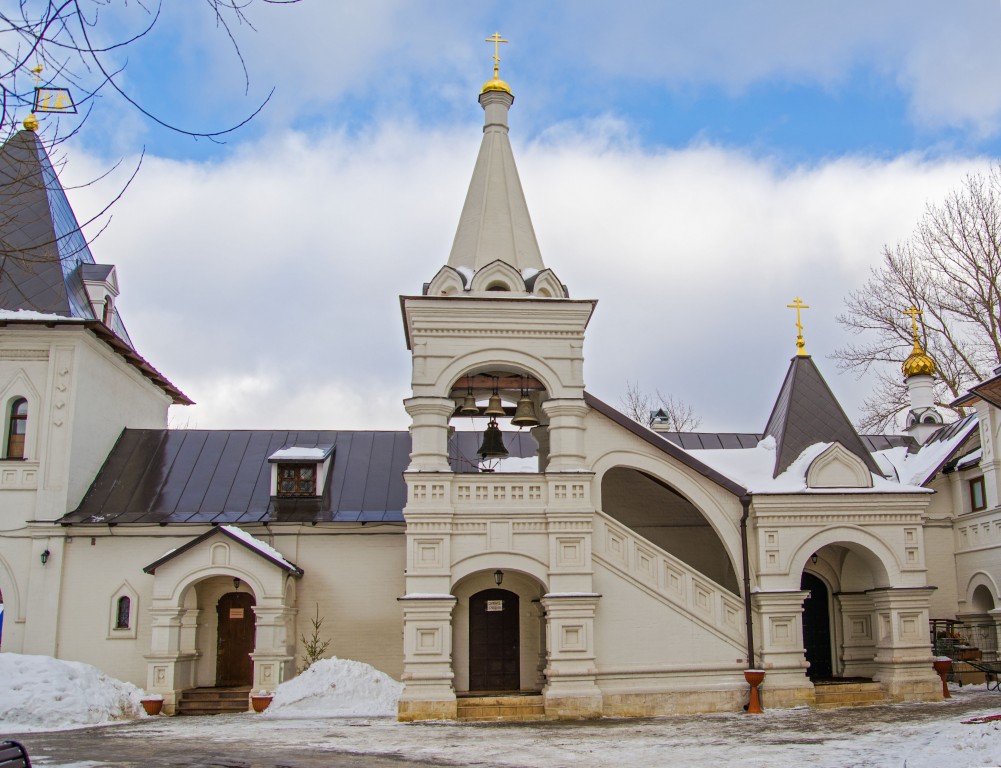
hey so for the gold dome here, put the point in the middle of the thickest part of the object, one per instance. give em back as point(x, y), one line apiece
point(918, 363)
point(496, 84)
point(31, 123)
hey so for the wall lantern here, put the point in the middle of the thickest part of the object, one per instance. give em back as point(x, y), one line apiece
point(499, 577)
point(45, 556)
point(236, 583)
point(814, 558)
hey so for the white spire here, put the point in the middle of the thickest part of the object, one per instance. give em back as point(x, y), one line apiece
point(495, 224)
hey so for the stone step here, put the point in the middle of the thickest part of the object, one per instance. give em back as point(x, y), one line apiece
point(500, 708)
point(213, 701)
point(833, 695)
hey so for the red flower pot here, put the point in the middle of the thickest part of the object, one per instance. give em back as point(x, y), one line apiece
point(754, 678)
point(152, 706)
point(943, 667)
point(260, 703)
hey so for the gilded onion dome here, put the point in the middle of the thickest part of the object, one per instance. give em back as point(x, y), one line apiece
point(496, 84)
point(918, 363)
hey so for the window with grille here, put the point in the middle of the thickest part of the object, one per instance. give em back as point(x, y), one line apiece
point(123, 613)
point(297, 480)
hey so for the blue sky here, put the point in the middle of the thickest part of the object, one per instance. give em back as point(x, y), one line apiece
point(691, 165)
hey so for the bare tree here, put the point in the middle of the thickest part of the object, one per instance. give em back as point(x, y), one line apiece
point(641, 406)
point(950, 269)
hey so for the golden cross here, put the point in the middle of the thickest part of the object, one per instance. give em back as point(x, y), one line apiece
point(496, 39)
point(914, 312)
point(37, 72)
point(798, 305)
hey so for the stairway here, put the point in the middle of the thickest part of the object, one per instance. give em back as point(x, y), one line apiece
point(214, 701)
point(831, 694)
point(516, 708)
point(670, 580)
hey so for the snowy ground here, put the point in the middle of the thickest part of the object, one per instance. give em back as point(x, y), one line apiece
point(912, 736)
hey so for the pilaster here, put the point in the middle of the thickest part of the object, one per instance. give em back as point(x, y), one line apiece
point(779, 630)
point(903, 651)
point(858, 642)
point(566, 434)
point(571, 692)
point(428, 693)
point(429, 433)
point(988, 417)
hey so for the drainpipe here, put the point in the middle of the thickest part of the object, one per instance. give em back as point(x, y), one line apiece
point(745, 502)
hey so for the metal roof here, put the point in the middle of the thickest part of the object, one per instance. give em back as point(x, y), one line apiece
point(695, 441)
point(164, 477)
point(806, 413)
point(42, 250)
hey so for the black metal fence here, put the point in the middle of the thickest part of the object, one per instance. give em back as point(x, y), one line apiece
point(964, 640)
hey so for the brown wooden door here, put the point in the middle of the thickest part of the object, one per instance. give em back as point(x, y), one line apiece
point(234, 667)
point(494, 643)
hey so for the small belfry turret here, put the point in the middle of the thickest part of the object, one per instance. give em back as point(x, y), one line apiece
point(495, 248)
point(919, 375)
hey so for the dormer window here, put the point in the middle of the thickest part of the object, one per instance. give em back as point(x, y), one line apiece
point(297, 480)
point(300, 472)
point(17, 428)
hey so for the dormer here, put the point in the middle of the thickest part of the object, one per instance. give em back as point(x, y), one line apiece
point(300, 472)
point(837, 467)
point(100, 281)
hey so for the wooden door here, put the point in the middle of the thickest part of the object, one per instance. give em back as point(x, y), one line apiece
point(817, 628)
point(234, 667)
point(494, 642)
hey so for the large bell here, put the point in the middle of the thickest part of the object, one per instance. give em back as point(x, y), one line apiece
point(494, 407)
point(524, 415)
point(493, 442)
point(469, 407)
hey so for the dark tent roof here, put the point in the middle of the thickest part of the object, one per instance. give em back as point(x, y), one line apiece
point(165, 476)
point(42, 250)
point(805, 413)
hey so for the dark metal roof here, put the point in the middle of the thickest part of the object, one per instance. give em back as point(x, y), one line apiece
point(165, 476)
point(659, 442)
point(42, 250)
point(695, 441)
point(285, 565)
point(988, 390)
point(805, 413)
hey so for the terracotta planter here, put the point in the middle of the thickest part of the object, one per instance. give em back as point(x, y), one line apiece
point(260, 703)
point(152, 706)
point(754, 678)
point(943, 667)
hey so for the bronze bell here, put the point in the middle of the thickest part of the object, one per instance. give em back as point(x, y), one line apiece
point(469, 407)
point(493, 442)
point(494, 407)
point(525, 416)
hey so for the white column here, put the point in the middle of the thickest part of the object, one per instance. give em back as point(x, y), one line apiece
point(903, 649)
point(170, 664)
point(429, 433)
point(566, 435)
point(571, 692)
point(274, 647)
point(779, 640)
point(428, 693)
point(858, 642)
point(988, 416)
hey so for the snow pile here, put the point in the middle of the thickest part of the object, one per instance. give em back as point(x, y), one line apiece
point(337, 688)
point(39, 693)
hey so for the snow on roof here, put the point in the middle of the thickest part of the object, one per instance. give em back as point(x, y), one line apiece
point(262, 547)
point(753, 468)
point(301, 453)
point(918, 468)
point(30, 314)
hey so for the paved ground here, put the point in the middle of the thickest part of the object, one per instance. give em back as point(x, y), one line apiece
point(856, 737)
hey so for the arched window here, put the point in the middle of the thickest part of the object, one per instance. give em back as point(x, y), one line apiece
point(123, 613)
point(17, 427)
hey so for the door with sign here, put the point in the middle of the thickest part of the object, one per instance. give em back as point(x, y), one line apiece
point(494, 641)
point(234, 667)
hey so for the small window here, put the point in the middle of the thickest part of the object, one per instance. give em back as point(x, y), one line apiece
point(297, 480)
point(978, 498)
point(17, 428)
point(123, 613)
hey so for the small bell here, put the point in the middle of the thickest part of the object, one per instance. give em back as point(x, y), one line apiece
point(494, 407)
point(524, 415)
point(493, 442)
point(469, 407)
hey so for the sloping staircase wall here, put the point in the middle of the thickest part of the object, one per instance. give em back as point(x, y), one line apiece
point(670, 580)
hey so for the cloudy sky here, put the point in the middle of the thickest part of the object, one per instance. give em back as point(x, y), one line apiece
point(693, 166)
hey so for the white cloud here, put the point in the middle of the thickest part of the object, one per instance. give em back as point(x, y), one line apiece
point(266, 286)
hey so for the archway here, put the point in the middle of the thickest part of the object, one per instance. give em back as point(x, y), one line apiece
point(817, 627)
point(494, 641)
point(667, 519)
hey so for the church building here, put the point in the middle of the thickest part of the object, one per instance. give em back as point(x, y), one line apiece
point(561, 561)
